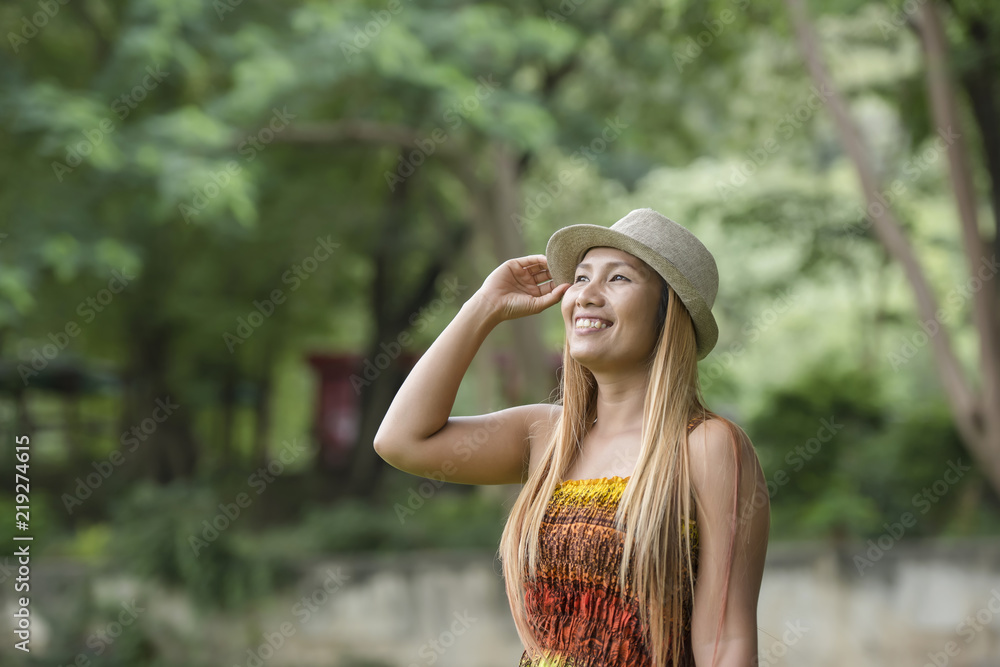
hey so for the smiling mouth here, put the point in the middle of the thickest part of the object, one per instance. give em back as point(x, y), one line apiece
point(591, 324)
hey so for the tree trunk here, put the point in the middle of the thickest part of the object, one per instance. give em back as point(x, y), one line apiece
point(167, 449)
point(393, 306)
point(969, 409)
point(262, 412)
point(227, 406)
point(985, 305)
point(501, 202)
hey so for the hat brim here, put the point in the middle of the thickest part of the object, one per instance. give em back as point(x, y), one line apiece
point(567, 246)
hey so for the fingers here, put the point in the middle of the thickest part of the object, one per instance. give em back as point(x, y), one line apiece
point(534, 273)
point(534, 264)
point(538, 273)
point(539, 269)
point(532, 259)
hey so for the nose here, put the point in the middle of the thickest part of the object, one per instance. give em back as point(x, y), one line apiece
point(589, 293)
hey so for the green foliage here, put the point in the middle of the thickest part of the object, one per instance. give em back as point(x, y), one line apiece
point(171, 534)
point(90, 543)
point(444, 520)
point(692, 145)
point(882, 460)
point(717, 131)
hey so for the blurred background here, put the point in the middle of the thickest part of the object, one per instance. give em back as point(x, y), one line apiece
point(229, 228)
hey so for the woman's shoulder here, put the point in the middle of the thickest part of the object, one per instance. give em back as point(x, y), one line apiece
point(717, 447)
point(713, 436)
point(713, 423)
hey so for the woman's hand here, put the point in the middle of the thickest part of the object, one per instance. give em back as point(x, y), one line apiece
point(521, 287)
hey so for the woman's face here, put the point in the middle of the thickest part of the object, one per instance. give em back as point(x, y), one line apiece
point(623, 293)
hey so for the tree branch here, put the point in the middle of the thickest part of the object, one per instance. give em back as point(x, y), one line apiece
point(980, 86)
point(984, 300)
point(965, 405)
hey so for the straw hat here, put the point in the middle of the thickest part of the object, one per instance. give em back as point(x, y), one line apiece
point(673, 252)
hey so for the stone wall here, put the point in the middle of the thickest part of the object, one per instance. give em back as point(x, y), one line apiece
point(919, 603)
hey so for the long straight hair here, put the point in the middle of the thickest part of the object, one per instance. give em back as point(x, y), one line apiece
point(657, 503)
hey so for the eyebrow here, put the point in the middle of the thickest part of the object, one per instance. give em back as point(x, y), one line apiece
point(617, 262)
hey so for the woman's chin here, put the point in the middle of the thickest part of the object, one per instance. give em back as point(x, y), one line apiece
point(590, 359)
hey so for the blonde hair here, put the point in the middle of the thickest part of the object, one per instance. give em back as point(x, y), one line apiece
point(655, 503)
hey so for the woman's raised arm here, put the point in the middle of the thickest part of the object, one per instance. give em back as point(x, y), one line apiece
point(418, 435)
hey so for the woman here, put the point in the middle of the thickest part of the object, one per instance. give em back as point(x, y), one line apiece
point(662, 566)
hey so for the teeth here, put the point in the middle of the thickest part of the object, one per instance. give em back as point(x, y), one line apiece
point(591, 324)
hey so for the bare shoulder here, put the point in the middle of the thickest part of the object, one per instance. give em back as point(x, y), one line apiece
point(713, 464)
point(713, 454)
point(711, 442)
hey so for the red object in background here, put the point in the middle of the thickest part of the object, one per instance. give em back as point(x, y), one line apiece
point(338, 407)
point(342, 378)
point(337, 422)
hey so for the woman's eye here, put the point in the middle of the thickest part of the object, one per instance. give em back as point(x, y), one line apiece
point(617, 275)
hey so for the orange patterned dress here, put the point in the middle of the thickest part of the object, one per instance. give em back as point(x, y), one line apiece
point(573, 604)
